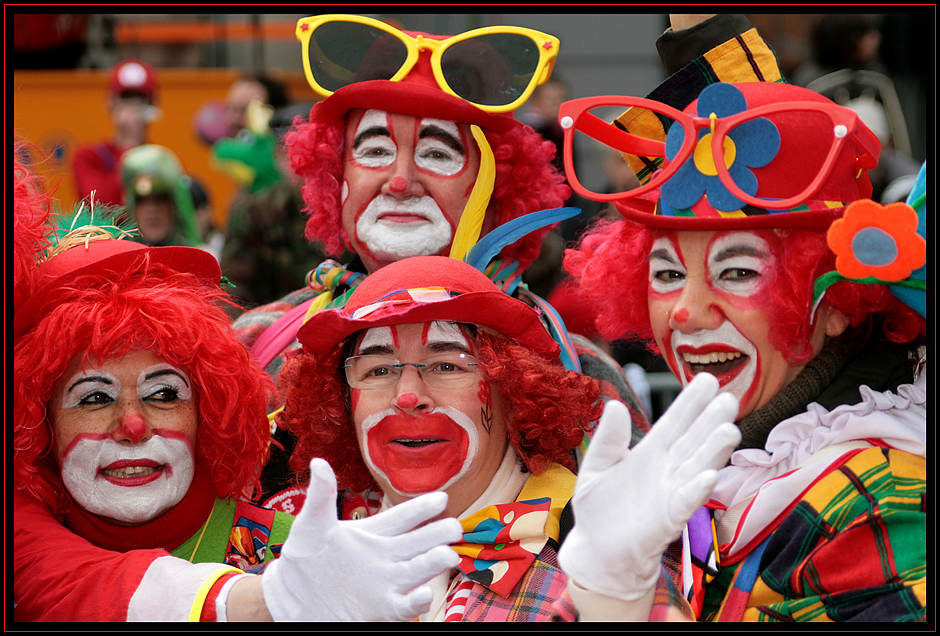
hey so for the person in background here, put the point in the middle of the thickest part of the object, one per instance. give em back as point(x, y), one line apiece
point(244, 91)
point(266, 254)
point(132, 102)
point(158, 197)
point(212, 239)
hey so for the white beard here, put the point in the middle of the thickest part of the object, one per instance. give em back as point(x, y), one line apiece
point(395, 241)
point(128, 504)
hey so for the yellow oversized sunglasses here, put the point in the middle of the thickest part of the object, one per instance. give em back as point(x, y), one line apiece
point(494, 68)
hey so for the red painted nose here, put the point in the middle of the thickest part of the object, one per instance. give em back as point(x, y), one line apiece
point(133, 429)
point(407, 401)
point(398, 185)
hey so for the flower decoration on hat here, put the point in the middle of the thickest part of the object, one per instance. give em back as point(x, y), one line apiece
point(753, 144)
point(875, 244)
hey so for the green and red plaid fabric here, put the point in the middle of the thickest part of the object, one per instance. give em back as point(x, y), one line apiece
point(853, 549)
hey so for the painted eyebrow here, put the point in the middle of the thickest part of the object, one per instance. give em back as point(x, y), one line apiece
point(449, 346)
point(162, 372)
point(375, 350)
point(435, 347)
point(440, 134)
point(91, 378)
point(738, 250)
point(664, 254)
point(373, 131)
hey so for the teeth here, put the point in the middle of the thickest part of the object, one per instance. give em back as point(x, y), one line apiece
point(710, 358)
point(130, 471)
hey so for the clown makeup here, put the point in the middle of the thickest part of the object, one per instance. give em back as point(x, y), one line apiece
point(405, 186)
point(125, 435)
point(417, 439)
point(708, 310)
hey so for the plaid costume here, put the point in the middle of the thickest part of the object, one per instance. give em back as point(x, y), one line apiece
point(853, 548)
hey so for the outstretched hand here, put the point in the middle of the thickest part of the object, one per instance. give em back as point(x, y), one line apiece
point(372, 569)
point(629, 504)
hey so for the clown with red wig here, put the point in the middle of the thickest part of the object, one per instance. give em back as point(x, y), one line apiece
point(139, 433)
point(430, 379)
point(749, 251)
point(414, 151)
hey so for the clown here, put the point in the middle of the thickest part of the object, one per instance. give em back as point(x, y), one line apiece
point(414, 152)
point(139, 421)
point(432, 379)
point(751, 254)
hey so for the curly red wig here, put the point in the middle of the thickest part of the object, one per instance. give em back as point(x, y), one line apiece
point(526, 181)
point(179, 319)
point(547, 409)
point(611, 265)
point(31, 209)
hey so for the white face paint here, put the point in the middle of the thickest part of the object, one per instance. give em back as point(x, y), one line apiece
point(722, 344)
point(131, 484)
point(124, 435)
point(426, 233)
point(709, 308)
point(426, 160)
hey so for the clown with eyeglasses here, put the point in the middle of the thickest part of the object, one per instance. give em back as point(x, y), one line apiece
point(432, 379)
point(749, 251)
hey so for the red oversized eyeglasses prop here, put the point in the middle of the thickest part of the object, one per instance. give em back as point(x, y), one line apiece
point(722, 149)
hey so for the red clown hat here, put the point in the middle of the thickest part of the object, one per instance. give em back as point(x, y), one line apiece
point(425, 289)
point(107, 257)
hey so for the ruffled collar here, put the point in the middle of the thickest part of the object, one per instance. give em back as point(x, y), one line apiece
point(896, 419)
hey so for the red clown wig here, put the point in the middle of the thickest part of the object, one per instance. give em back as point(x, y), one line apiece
point(547, 409)
point(526, 181)
point(177, 317)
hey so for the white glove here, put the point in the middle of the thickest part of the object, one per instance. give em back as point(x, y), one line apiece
point(629, 505)
point(362, 570)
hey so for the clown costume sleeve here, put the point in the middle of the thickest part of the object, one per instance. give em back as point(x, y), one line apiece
point(93, 584)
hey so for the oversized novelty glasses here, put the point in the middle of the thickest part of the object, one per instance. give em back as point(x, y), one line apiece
point(451, 370)
point(494, 68)
point(722, 147)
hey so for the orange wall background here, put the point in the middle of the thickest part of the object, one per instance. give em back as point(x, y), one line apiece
point(57, 111)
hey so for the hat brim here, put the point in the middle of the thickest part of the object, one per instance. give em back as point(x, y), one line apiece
point(496, 310)
point(408, 98)
point(112, 259)
point(642, 211)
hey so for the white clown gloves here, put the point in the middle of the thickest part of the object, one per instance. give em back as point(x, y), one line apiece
point(630, 504)
point(372, 569)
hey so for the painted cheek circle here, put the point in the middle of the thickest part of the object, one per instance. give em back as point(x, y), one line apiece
point(420, 469)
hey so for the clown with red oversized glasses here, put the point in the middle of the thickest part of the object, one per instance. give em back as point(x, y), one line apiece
point(749, 252)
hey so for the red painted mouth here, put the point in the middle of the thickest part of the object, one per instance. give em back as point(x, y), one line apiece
point(133, 472)
point(418, 454)
point(723, 362)
point(402, 217)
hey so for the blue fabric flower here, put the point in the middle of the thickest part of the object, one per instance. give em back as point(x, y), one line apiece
point(753, 144)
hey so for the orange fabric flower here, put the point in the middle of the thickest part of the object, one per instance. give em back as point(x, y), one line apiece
point(880, 241)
